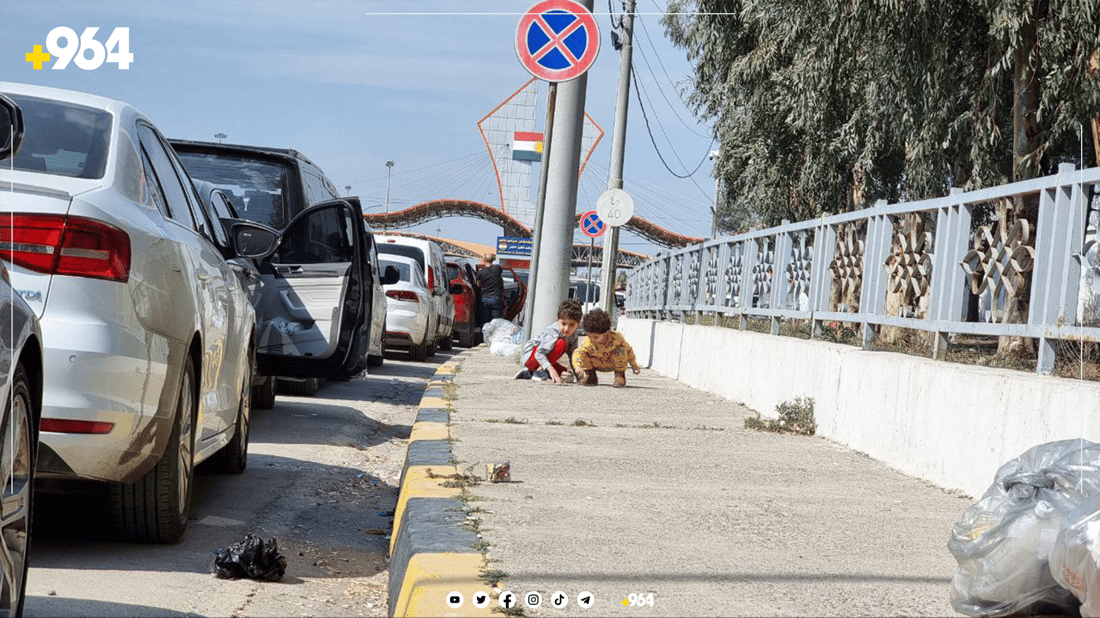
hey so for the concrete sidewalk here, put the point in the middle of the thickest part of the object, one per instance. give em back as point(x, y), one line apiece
point(658, 489)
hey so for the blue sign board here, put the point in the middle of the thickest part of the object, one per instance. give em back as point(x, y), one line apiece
point(513, 245)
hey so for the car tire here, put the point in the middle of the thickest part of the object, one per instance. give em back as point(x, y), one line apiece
point(263, 394)
point(233, 457)
point(305, 388)
point(433, 347)
point(447, 342)
point(418, 352)
point(18, 456)
point(467, 339)
point(155, 508)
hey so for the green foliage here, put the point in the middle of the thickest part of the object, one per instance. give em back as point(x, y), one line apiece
point(794, 417)
point(828, 105)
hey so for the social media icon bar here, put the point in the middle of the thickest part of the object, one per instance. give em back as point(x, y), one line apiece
point(481, 599)
point(585, 600)
point(507, 600)
point(454, 599)
point(533, 600)
point(559, 600)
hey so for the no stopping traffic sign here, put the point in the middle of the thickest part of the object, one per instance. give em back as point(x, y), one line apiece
point(557, 40)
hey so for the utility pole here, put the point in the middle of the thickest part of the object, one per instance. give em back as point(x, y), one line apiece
point(556, 244)
point(389, 174)
point(618, 152)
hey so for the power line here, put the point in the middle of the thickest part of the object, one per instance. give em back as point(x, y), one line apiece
point(649, 130)
point(669, 78)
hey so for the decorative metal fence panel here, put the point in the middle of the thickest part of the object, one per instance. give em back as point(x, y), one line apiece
point(923, 256)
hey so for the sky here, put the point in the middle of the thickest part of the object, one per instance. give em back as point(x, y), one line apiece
point(354, 83)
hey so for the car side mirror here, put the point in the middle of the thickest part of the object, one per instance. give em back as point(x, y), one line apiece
point(391, 275)
point(456, 288)
point(11, 125)
point(253, 240)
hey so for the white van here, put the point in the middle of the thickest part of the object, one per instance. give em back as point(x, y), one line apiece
point(429, 256)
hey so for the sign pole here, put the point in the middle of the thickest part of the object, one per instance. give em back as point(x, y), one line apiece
point(588, 283)
point(556, 243)
point(536, 236)
point(618, 152)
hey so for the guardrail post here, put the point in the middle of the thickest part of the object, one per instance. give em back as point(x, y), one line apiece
point(721, 287)
point(872, 295)
point(820, 280)
point(783, 245)
point(1056, 276)
point(750, 254)
point(952, 243)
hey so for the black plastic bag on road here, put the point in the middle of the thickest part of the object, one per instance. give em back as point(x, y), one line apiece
point(251, 558)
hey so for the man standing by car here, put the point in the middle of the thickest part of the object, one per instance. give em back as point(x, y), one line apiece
point(490, 281)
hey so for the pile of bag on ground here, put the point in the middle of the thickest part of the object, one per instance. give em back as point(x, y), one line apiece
point(1031, 545)
point(503, 336)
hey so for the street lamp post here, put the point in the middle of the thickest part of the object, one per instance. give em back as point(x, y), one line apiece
point(347, 189)
point(389, 174)
point(220, 136)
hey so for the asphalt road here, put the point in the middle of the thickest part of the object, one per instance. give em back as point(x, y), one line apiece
point(321, 479)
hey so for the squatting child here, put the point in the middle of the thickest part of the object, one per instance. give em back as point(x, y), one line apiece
point(541, 354)
point(603, 350)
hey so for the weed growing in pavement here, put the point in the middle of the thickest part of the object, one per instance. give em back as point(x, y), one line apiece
point(456, 480)
point(705, 428)
point(511, 420)
point(580, 422)
point(514, 610)
point(656, 425)
point(795, 417)
point(492, 577)
point(450, 391)
point(480, 545)
point(552, 422)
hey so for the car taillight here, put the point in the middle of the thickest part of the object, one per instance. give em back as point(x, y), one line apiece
point(431, 278)
point(403, 295)
point(66, 245)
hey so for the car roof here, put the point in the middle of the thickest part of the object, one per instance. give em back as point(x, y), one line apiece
point(393, 257)
point(70, 96)
point(230, 149)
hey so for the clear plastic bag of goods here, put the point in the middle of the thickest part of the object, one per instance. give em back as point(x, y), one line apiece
point(1075, 559)
point(503, 348)
point(1004, 541)
point(499, 329)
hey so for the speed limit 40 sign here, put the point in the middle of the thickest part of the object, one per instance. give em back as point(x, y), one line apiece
point(615, 207)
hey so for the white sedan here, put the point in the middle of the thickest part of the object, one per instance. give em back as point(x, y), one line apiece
point(408, 307)
point(148, 338)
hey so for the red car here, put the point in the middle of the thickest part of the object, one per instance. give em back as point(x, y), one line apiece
point(466, 325)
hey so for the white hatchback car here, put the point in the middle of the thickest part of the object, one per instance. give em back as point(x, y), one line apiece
point(408, 307)
point(147, 335)
point(429, 257)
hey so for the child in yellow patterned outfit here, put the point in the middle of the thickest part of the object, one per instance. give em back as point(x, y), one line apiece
point(603, 350)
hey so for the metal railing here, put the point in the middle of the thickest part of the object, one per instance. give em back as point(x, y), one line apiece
point(910, 265)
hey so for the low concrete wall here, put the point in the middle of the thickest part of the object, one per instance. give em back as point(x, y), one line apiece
point(947, 423)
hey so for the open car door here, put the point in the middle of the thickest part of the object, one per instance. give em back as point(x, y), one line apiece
point(515, 305)
point(313, 308)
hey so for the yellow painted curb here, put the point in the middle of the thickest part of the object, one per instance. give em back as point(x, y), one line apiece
point(430, 577)
point(418, 485)
point(428, 431)
point(432, 402)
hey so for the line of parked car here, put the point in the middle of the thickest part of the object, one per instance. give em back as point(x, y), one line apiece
point(157, 291)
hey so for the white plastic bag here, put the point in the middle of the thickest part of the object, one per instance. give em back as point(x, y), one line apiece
point(1004, 541)
point(499, 329)
point(503, 348)
point(1075, 559)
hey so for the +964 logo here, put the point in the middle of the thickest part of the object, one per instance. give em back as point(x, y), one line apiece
point(63, 47)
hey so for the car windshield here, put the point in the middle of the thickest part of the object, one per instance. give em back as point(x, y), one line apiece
point(258, 189)
point(63, 139)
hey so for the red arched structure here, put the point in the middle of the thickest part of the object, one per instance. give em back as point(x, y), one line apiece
point(436, 209)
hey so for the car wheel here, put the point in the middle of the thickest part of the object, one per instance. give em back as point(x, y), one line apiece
point(155, 508)
point(446, 343)
point(466, 339)
point(263, 395)
point(433, 347)
point(233, 458)
point(18, 494)
point(305, 388)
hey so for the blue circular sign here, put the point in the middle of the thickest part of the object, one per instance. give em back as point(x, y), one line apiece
point(557, 40)
point(591, 225)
